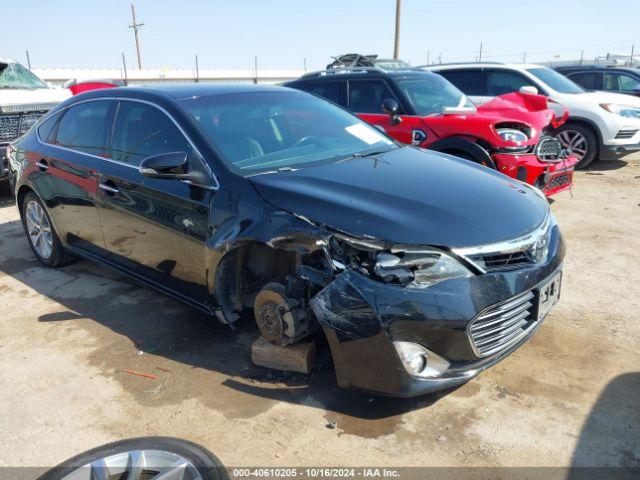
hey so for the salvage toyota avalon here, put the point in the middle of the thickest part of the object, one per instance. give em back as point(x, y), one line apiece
point(420, 269)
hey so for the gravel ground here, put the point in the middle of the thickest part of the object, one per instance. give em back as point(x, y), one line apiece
point(571, 396)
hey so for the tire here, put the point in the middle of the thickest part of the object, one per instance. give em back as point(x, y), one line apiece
point(54, 255)
point(582, 141)
point(163, 450)
point(467, 156)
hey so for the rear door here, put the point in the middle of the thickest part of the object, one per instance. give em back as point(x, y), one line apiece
point(154, 228)
point(72, 150)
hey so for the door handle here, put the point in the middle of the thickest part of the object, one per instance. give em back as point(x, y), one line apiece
point(109, 189)
point(42, 165)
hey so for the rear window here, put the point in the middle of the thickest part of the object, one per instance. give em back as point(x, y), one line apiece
point(335, 92)
point(46, 128)
point(471, 82)
point(83, 127)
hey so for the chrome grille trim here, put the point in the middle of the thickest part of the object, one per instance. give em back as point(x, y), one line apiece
point(548, 149)
point(500, 326)
point(509, 254)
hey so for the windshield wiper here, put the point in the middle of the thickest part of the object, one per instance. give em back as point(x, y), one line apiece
point(365, 154)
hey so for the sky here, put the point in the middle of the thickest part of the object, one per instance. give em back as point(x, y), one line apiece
point(282, 33)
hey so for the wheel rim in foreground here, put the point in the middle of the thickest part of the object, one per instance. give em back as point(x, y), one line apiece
point(137, 465)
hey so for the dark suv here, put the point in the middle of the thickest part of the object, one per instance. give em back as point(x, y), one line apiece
point(420, 269)
point(608, 79)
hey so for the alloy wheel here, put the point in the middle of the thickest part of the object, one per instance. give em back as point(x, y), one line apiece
point(574, 141)
point(137, 465)
point(39, 229)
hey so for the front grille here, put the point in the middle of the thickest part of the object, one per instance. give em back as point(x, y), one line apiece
point(548, 149)
point(502, 325)
point(625, 134)
point(559, 181)
point(501, 261)
point(12, 125)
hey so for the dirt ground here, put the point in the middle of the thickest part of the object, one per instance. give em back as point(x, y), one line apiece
point(571, 396)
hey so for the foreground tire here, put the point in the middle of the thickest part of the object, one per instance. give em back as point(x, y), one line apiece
point(145, 458)
point(42, 237)
point(582, 141)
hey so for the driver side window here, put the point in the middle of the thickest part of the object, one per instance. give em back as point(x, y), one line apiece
point(366, 96)
point(141, 130)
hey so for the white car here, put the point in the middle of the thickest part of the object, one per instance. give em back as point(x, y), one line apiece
point(24, 98)
point(600, 123)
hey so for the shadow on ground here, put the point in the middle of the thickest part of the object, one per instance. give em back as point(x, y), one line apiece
point(167, 330)
point(615, 415)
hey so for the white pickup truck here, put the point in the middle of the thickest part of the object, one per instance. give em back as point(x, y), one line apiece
point(24, 98)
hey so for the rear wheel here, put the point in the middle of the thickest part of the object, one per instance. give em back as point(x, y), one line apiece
point(42, 237)
point(582, 142)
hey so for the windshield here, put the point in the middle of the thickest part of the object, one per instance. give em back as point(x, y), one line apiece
point(264, 131)
point(555, 80)
point(14, 75)
point(429, 95)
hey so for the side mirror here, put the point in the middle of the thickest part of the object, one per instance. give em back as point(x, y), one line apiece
point(171, 165)
point(391, 107)
point(529, 90)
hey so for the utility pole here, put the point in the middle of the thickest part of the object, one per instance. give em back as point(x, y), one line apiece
point(631, 58)
point(480, 55)
point(197, 70)
point(396, 45)
point(29, 60)
point(581, 56)
point(428, 56)
point(440, 58)
point(136, 27)
point(255, 67)
point(124, 66)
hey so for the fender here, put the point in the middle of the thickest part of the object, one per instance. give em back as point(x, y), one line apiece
point(586, 121)
point(473, 150)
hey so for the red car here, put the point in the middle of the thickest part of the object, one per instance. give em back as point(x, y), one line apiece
point(426, 110)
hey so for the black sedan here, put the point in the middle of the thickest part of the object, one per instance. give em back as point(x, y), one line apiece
point(420, 269)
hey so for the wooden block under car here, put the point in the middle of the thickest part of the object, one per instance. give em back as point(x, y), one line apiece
point(292, 358)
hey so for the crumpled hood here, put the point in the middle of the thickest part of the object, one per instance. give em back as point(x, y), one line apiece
point(408, 196)
point(39, 97)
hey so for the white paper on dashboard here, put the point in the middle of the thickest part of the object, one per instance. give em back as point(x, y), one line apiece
point(366, 134)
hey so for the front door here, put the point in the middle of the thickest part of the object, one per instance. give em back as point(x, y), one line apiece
point(365, 100)
point(155, 229)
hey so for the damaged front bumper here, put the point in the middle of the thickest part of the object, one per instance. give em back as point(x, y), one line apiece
point(362, 318)
point(550, 177)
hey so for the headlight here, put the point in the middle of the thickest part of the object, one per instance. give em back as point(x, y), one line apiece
point(419, 266)
point(420, 362)
point(511, 135)
point(395, 265)
point(628, 111)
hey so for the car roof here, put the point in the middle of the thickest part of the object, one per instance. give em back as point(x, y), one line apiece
point(362, 73)
point(177, 91)
point(602, 68)
point(477, 65)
